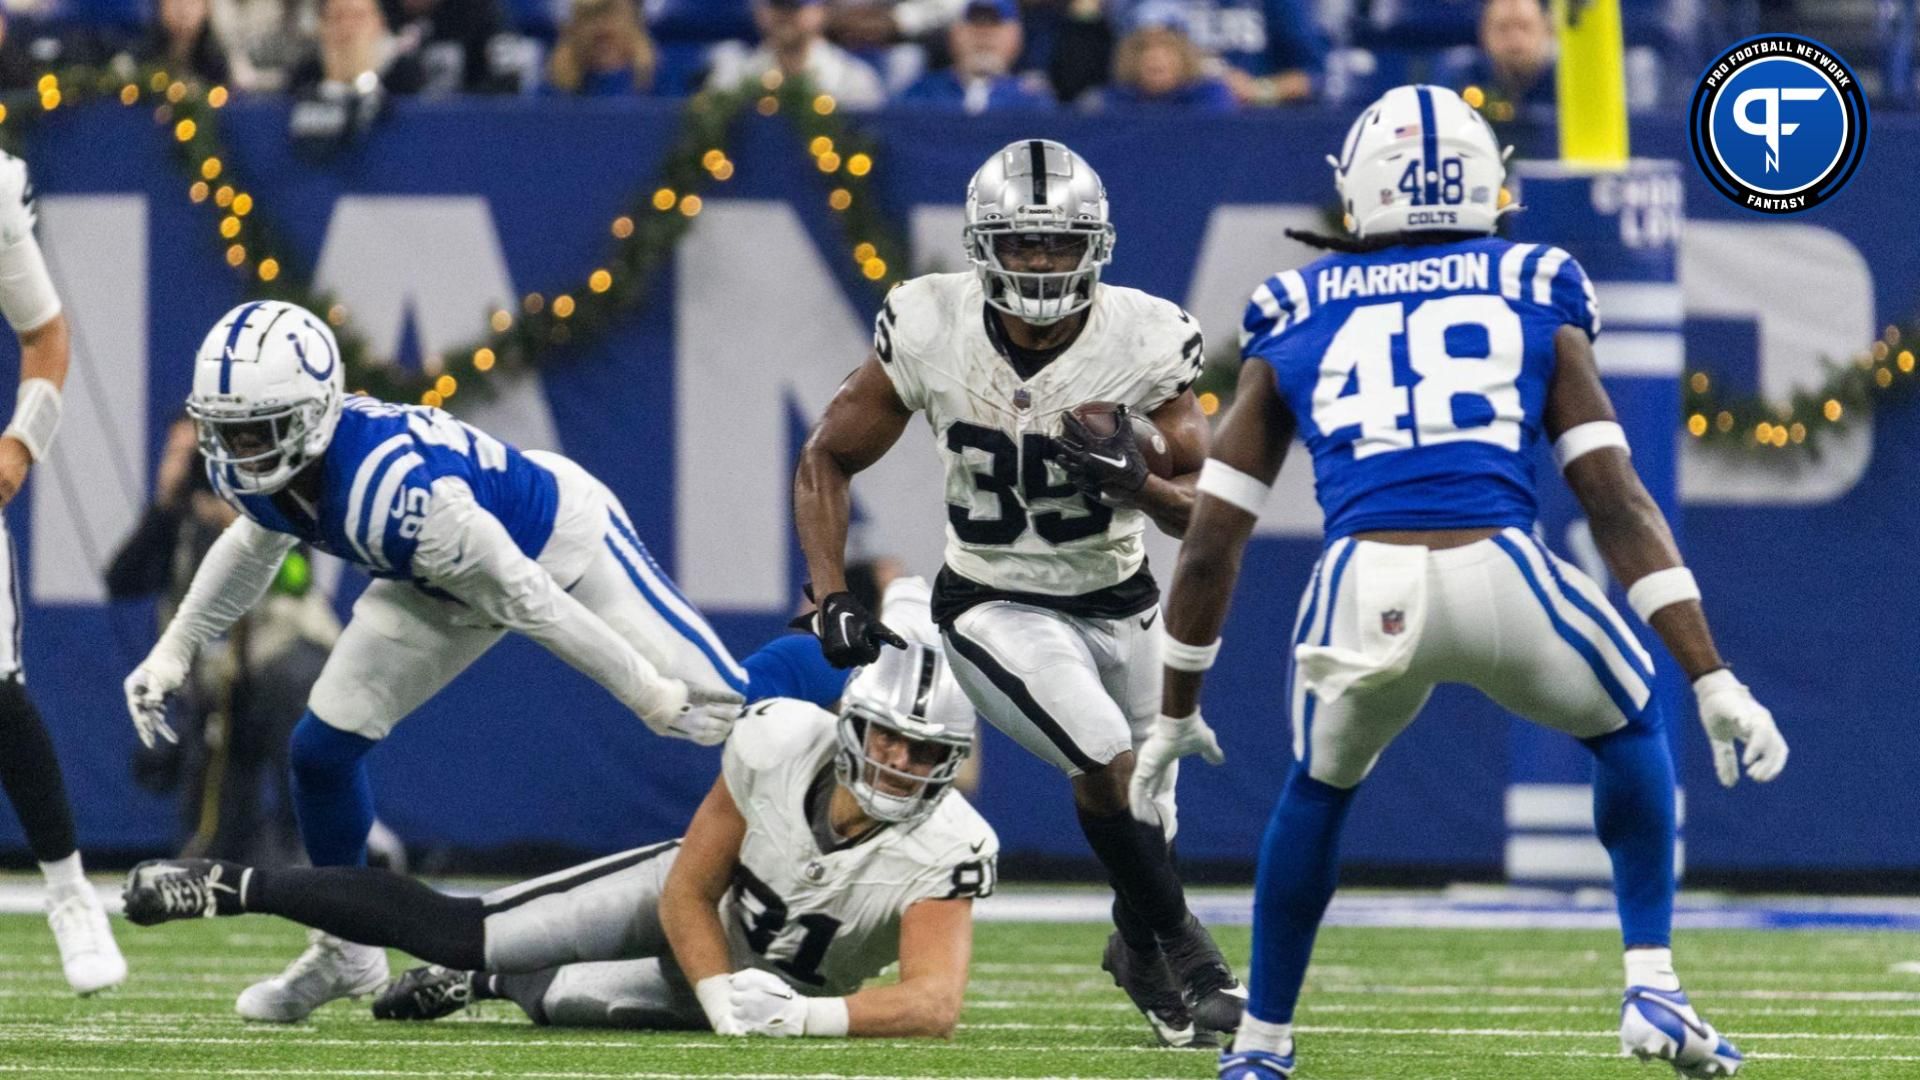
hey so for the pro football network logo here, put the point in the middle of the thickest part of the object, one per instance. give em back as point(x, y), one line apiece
point(1779, 123)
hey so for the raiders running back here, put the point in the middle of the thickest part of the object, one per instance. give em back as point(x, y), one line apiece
point(1016, 524)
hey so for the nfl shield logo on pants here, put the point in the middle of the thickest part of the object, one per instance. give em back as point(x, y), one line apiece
point(1393, 622)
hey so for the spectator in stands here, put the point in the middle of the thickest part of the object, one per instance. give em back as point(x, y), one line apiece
point(869, 24)
point(182, 41)
point(985, 41)
point(1157, 66)
point(451, 38)
point(1269, 52)
point(1072, 41)
point(263, 39)
point(356, 54)
point(792, 43)
point(1514, 64)
point(603, 51)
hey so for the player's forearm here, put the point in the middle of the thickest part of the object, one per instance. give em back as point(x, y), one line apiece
point(694, 933)
point(910, 1009)
point(1168, 502)
point(1203, 583)
point(232, 578)
point(822, 507)
point(45, 351)
point(1634, 539)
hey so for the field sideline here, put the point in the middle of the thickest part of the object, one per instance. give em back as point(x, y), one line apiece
point(1383, 1002)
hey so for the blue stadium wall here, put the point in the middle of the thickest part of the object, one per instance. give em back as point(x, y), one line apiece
point(448, 209)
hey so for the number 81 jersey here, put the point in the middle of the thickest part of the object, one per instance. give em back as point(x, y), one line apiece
point(1418, 375)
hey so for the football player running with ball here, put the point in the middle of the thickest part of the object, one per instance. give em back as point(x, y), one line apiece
point(467, 537)
point(1422, 362)
point(1046, 608)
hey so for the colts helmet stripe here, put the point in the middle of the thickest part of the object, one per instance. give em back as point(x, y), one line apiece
point(233, 339)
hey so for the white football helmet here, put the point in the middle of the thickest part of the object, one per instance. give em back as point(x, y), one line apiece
point(267, 388)
point(1037, 191)
point(910, 692)
point(1420, 160)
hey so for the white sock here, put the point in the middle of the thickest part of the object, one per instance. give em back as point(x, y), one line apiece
point(1652, 968)
point(1257, 1034)
point(65, 874)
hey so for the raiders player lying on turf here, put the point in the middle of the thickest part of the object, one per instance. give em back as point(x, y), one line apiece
point(828, 848)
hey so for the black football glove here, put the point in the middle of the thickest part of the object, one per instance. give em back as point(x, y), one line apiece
point(849, 634)
point(1109, 469)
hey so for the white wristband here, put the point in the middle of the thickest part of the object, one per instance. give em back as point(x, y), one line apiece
point(827, 1017)
point(36, 416)
point(1181, 656)
point(1231, 486)
point(1661, 588)
point(1582, 439)
point(715, 994)
point(1717, 679)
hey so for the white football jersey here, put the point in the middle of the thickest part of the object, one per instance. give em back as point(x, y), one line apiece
point(27, 296)
point(827, 922)
point(1014, 522)
point(16, 201)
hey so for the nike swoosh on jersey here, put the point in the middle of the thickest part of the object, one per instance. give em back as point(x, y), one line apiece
point(977, 845)
point(1147, 623)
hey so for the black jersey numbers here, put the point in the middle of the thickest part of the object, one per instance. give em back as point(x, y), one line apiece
point(764, 916)
point(1018, 477)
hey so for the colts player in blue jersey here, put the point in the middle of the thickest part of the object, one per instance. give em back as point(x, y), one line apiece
point(1423, 363)
point(466, 537)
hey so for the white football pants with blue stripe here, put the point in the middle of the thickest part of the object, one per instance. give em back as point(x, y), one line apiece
point(1503, 615)
point(403, 645)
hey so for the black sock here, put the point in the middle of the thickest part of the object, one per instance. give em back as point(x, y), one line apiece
point(30, 775)
point(375, 907)
point(1133, 927)
point(528, 991)
point(485, 987)
point(1140, 868)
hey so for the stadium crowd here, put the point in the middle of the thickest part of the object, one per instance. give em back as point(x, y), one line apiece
point(966, 56)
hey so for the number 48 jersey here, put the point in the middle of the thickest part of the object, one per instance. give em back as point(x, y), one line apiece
point(1418, 375)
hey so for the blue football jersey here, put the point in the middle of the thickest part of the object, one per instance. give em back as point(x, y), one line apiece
point(1418, 376)
point(377, 484)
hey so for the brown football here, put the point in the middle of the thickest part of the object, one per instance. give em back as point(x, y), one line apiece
point(1101, 418)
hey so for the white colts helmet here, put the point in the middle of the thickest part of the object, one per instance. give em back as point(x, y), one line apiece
point(912, 693)
point(267, 387)
point(1419, 160)
point(1038, 189)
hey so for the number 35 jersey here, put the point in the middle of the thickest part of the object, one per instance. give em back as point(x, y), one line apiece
point(1418, 375)
point(1015, 524)
point(826, 921)
point(377, 485)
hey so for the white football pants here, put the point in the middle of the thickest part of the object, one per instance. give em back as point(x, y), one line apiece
point(402, 645)
point(1503, 615)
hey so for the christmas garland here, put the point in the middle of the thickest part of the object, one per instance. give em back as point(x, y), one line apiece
point(645, 235)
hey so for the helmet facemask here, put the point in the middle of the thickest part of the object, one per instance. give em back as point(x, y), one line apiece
point(259, 449)
point(1001, 249)
point(888, 793)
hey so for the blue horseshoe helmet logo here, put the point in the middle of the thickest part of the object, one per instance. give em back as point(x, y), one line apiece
point(301, 352)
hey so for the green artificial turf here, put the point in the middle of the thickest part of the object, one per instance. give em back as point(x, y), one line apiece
point(1379, 1003)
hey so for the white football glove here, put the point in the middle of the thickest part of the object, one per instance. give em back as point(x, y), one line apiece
point(1169, 740)
point(147, 689)
point(763, 1004)
point(715, 993)
point(1729, 713)
point(704, 717)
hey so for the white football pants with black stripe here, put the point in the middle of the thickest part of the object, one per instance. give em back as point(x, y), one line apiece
point(1075, 691)
point(12, 616)
point(599, 925)
point(1503, 615)
point(403, 645)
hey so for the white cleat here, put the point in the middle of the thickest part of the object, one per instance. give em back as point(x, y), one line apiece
point(1660, 1025)
point(330, 969)
point(88, 954)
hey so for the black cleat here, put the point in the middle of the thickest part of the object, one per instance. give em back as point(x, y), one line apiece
point(425, 993)
point(165, 890)
point(1215, 998)
point(1148, 984)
